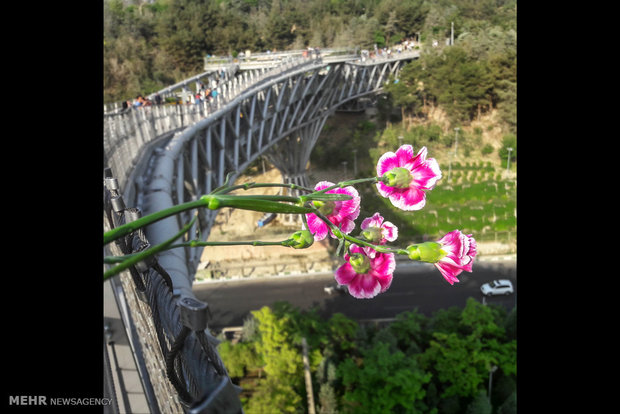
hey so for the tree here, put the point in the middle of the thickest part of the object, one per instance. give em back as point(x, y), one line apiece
point(274, 395)
point(383, 380)
point(280, 359)
point(409, 328)
point(184, 31)
point(238, 358)
point(462, 359)
point(460, 84)
point(410, 91)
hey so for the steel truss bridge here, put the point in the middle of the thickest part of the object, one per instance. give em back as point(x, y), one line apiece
point(162, 155)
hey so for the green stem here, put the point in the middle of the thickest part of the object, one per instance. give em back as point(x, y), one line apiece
point(130, 227)
point(247, 186)
point(380, 248)
point(138, 257)
point(269, 197)
point(264, 203)
point(343, 184)
point(196, 243)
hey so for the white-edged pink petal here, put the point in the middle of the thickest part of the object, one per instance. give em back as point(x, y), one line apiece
point(364, 287)
point(345, 274)
point(427, 174)
point(389, 231)
point(387, 162)
point(448, 271)
point(375, 221)
point(409, 199)
point(316, 226)
point(385, 190)
point(404, 155)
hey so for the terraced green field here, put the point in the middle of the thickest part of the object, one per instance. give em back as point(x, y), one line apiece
point(475, 200)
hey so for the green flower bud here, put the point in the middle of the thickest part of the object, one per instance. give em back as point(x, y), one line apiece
point(300, 240)
point(325, 207)
point(360, 263)
point(372, 234)
point(398, 177)
point(430, 252)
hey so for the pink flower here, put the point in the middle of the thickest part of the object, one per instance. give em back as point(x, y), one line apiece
point(341, 213)
point(407, 177)
point(460, 251)
point(377, 231)
point(366, 276)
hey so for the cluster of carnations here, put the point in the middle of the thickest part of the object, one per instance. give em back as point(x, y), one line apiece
point(404, 178)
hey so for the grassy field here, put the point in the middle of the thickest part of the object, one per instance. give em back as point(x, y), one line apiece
point(475, 194)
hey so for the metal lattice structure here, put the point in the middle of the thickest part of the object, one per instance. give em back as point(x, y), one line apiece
point(166, 155)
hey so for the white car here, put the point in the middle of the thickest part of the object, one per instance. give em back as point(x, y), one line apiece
point(497, 287)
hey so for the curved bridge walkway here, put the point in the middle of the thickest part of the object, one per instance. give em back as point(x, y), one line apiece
point(164, 155)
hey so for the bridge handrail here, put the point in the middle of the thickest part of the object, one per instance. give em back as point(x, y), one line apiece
point(129, 137)
point(285, 63)
point(147, 123)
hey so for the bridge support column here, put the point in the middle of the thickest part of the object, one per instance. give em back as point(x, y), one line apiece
point(292, 154)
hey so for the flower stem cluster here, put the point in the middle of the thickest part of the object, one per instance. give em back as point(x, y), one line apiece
point(331, 209)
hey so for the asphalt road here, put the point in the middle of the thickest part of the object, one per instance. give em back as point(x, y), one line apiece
point(417, 285)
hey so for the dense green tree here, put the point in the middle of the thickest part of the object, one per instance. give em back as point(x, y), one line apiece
point(408, 91)
point(415, 364)
point(275, 346)
point(184, 31)
point(273, 395)
point(462, 359)
point(383, 381)
point(400, 19)
point(410, 331)
point(446, 320)
point(239, 358)
point(341, 332)
point(460, 84)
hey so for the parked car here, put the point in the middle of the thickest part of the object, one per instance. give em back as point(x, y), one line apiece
point(497, 287)
point(335, 287)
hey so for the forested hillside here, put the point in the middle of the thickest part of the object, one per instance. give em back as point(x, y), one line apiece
point(150, 45)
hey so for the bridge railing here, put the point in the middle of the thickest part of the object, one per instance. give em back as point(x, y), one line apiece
point(195, 379)
point(245, 61)
point(201, 143)
point(184, 370)
point(232, 79)
point(127, 133)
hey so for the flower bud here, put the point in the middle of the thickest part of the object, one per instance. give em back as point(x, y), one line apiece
point(429, 252)
point(372, 234)
point(360, 263)
point(398, 177)
point(300, 240)
point(325, 207)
